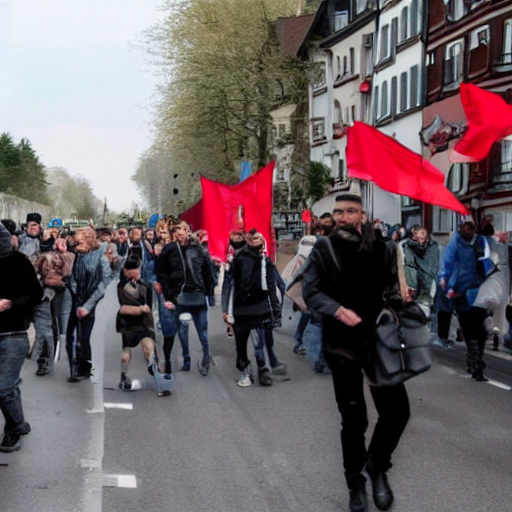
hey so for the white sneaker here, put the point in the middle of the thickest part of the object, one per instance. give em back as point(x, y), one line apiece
point(245, 380)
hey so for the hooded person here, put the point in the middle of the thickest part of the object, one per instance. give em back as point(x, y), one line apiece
point(20, 291)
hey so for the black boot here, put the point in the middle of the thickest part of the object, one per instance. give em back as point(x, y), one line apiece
point(382, 493)
point(357, 491)
point(478, 372)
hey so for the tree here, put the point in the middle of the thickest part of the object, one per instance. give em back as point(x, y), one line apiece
point(223, 73)
point(72, 197)
point(21, 172)
point(319, 177)
point(165, 187)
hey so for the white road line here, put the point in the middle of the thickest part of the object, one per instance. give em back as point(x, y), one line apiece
point(125, 481)
point(500, 385)
point(112, 405)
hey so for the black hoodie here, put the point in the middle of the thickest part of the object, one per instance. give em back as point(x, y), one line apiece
point(18, 283)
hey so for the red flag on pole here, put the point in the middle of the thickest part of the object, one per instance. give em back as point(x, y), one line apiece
point(373, 156)
point(226, 207)
point(489, 119)
point(194, 216)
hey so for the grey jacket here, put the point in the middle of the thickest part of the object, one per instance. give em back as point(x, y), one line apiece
point(91, 276)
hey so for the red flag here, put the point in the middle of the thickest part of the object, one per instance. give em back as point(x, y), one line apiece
point(373, 156)
point(194, 216)
point(489, 120)
point(225, 206)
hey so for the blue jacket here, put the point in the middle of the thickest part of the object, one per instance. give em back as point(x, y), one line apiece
point(460, 263)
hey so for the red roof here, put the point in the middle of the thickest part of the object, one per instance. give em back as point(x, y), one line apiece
point(292, 32)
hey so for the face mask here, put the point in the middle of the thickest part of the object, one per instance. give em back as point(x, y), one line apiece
point(257, 248)
point(237, 244)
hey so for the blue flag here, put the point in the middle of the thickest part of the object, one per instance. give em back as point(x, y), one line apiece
point(246, 170)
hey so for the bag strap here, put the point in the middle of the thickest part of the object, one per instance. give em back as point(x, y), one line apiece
point(330, 248)
point(184, 267)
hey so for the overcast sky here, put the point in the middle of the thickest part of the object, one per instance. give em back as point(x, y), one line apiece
point(72, 84)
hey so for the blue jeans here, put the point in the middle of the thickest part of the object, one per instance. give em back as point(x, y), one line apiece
point(13, 349)
point(168, 318)
point(200, 318)
point(313, 342)
point(301, 327)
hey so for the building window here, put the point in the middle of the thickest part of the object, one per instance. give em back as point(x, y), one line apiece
point(337, 113)
point(352, 61)
point(478, 58)
point(341, 170)
point(367, 54)
point(404, 24)
point(384, 107)
point(318, 130)
point(443, 221)
point(354, 113)
point(319, 81)
point(455, 9)
point(281, 130)
point(415, 93)
point(502, 172)
point(375, 103)
point(458, 179)
point(344, 65)
point(506, 55)
point(340, 17)
point(415, 18)
point(384, 43)
point(403, 92)
point(394, 95)
point(453, 63)
point(361, 6)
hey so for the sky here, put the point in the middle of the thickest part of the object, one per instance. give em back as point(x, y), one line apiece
point(75, 83)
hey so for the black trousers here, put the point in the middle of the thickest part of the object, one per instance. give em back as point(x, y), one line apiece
point(392, 406)
point(78, 339)
point(472, 323)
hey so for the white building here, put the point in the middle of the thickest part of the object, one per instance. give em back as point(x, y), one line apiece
point(398, 93)
point(342, 92)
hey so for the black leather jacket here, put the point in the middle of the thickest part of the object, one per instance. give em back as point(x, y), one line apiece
point(186, 268)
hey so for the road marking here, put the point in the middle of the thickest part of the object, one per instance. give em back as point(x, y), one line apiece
point(500, 385)
point(499, 355)
point(125, 481)
point(112, 405)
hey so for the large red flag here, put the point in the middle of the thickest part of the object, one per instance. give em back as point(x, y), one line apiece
point(195, 216)
point(373, 156)
point(226, 207)
point(489, 119)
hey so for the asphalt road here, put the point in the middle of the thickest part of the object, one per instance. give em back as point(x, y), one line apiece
point(212, 446)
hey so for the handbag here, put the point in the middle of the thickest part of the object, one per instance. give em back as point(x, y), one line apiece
point(401, 346)
point(191, 299)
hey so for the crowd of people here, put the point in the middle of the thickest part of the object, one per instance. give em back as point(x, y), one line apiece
point(343, 274)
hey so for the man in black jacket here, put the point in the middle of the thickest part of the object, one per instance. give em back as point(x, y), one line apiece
point(184, 276)
point(20, 292)
point(346, 280)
